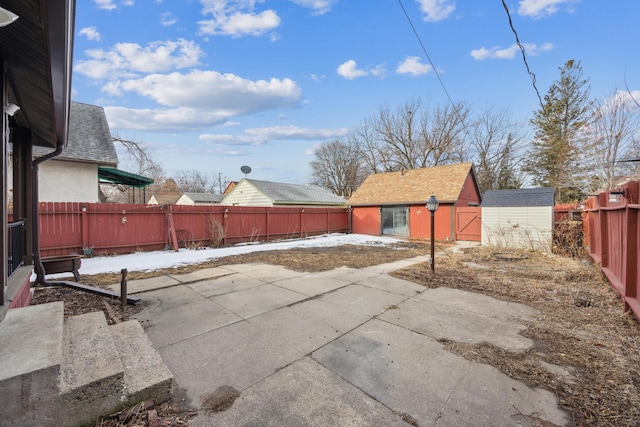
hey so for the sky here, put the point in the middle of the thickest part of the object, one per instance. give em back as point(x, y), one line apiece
point(214, 85)
point(155, 260)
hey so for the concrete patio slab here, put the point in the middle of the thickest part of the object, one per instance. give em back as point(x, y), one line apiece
point(397, 265)
point(308, 325)
point(243, 268)
point(486, 397)
point(257, 300)
point(479, 303)
point(161, 299)
point(405, 371)
point(179, 322)
point(225, 284)
point(312, 285)
point(302, 394)
point(364, 300)
point(438, 321)
point(393, 285)
point(272, 273)
point(205, 273)
point(238, 356)
point(145, 285)
point(414, 375)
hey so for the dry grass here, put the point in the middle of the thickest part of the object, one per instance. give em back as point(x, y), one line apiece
point(587, 349)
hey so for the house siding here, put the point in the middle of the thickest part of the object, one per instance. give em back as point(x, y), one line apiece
point(62, 181)
point(420, 222)
point(469, 195)
point(366, 220)
point(529, 227)
point(245, 194)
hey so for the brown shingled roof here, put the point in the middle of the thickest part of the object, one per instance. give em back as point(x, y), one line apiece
point(412, 186)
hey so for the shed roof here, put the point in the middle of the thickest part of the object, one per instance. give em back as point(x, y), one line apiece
point(519, 197)
point(89, 137)
point(205, 197)
point(295, 194)
point(413, 186)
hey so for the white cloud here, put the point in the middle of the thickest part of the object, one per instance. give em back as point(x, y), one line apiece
point(91, 33)
point(111, 5)
point(167, 19)
point(199, 99)
point(130, 59)
point(257, 136)
point(436, 10)
point(412, 65)
point(319, 7)
point(236, 18)
point(510, 52)
point(540, 8)
point(349, 70)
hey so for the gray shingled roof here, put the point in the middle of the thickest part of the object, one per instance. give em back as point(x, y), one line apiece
point(296, 194)
point(205, 197)
point(89, 137)
point(518, 197)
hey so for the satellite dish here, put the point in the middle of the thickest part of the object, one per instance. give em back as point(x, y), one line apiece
point(245, 170)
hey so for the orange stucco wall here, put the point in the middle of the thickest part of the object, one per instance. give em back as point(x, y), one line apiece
point(366, 220)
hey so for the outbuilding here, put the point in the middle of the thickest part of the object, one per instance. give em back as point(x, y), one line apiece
point(393, 203)
point(519, 218)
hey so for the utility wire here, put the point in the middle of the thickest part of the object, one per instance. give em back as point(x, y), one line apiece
point(524, 56)
point(428, 57)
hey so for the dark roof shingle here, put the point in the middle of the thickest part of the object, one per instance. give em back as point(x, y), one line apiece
point(518, 197)
point(89, 137)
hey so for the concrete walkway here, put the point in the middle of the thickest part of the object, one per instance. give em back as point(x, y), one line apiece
point(347, 347)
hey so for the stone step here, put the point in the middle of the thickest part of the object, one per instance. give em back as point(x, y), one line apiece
point(146, 376)
point(92, 374)
point(30, 355)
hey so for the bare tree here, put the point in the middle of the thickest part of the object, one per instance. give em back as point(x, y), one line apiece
point(337, 166)
point(614, 135)
point(494, 143)
point(144, 165)
point(411, 137)
point(194, 181)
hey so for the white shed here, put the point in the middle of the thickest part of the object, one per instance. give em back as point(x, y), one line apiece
point(520, 218)
point(199, 199)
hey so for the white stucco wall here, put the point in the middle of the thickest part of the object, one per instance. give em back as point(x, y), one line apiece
point(528, 227)
point(61, 181)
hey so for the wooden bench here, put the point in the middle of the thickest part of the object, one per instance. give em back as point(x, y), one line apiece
point(63, 264)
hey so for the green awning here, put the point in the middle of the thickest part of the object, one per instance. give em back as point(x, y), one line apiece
point(116, 176)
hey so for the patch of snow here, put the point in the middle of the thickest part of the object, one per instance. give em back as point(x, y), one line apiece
point(149, 261)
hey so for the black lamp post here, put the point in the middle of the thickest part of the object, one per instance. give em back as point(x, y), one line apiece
point(432, 206)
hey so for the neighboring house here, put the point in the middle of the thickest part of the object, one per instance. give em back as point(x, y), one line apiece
point(251, 192)
point(521, 218)
point(393, 203)
point(73, 175)
point(163, 199)
point(199, 199)
point(229, 187)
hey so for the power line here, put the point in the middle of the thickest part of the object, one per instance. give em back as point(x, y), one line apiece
point(524, 56)
point(424, 49)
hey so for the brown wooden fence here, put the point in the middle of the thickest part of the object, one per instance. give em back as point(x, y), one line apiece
point(612, 238)
point(67, 228)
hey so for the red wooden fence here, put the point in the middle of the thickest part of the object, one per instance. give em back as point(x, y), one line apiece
point(612, 238)
point(67, 228)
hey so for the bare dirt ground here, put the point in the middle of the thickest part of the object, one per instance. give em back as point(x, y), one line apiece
point(587, 349)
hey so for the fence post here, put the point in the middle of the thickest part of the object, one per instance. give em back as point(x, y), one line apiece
point(85, 227)
point(604, 231)
point(631, 252)
point(301, 223)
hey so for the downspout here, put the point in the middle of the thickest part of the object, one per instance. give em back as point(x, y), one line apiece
point(37, 260)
